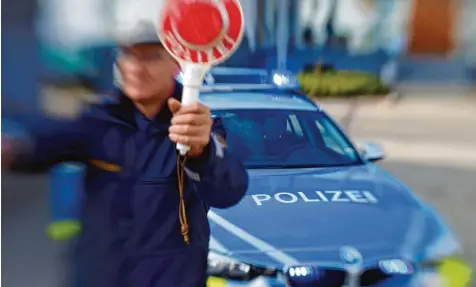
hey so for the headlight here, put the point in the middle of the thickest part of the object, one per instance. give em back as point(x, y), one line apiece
point(229, 268)
point(305, 275)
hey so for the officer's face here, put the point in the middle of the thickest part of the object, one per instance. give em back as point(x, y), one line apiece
point(147, 71)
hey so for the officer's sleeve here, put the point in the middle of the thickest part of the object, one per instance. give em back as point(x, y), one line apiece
point(219, 176)
point(48, 142)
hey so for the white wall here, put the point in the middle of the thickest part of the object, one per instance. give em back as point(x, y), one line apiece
point(314, 14)
point(72, 23)
point(250, 14)
point(77, 23)
point(356, 21)
point(366, 27)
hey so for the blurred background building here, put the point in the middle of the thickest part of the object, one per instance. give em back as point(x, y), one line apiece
point(433, 40)
point(400, 40)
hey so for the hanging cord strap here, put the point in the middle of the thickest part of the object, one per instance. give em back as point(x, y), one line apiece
point(182, 211)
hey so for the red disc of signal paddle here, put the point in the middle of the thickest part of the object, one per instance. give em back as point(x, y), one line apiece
point(201, 31)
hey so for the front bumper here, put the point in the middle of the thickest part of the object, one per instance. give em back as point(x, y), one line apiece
point(436, 278)
point(258, 282)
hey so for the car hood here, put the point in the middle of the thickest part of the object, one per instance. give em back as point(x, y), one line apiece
point(308, 215)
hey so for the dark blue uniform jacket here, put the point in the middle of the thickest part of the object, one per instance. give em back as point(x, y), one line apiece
point(131, 231)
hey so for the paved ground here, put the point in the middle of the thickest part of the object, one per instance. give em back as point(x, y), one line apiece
point(431, 145)
point(28, 257)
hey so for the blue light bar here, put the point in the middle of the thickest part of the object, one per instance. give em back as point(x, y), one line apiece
point(236, 87)
point(239, 71)
point(224, 78)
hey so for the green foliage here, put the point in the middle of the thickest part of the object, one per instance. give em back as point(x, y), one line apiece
point(340, 83)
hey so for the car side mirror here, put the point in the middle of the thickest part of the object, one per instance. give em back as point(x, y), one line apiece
point(372, 151)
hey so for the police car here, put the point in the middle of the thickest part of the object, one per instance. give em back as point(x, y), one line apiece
point(318, 211)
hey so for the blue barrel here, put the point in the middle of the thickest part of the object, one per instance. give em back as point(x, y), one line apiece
point(66, 195)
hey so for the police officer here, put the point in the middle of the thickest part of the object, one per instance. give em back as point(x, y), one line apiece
point(144, 220)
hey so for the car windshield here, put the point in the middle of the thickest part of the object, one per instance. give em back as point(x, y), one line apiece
point(286, 139)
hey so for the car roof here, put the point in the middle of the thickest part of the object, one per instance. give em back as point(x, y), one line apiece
point(257, 100)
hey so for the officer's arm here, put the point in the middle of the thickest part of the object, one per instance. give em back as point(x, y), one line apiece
point(219, 176)
point(47, 143)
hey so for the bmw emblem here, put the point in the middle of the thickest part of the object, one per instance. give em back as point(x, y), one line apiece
point(350, 256)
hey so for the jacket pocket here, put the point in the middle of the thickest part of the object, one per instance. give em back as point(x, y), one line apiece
point(157, 181)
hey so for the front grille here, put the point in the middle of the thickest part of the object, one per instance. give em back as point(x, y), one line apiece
point(372, 277)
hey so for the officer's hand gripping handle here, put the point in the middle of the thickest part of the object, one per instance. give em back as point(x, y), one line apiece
point(193, 75)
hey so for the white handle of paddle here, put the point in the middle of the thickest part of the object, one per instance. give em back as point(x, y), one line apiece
point(192, 81)
point(189, 96)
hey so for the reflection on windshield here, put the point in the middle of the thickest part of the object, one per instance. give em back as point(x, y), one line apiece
point(286, 138)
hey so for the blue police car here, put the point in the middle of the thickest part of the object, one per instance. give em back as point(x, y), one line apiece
point(318, 211)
